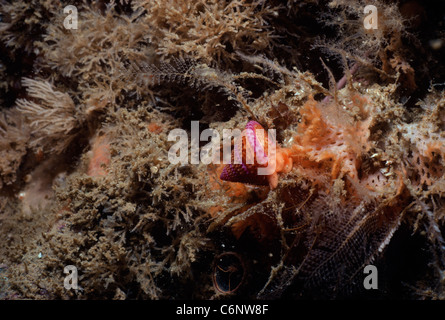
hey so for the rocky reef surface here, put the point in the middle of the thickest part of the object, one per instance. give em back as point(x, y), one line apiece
point(91, 93)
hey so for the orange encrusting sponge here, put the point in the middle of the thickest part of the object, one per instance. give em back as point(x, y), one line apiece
point(334, 143)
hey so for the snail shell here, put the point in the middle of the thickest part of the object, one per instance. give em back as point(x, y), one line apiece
point(254, 150)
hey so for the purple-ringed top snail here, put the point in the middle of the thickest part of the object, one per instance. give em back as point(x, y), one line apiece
point(256, 158)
